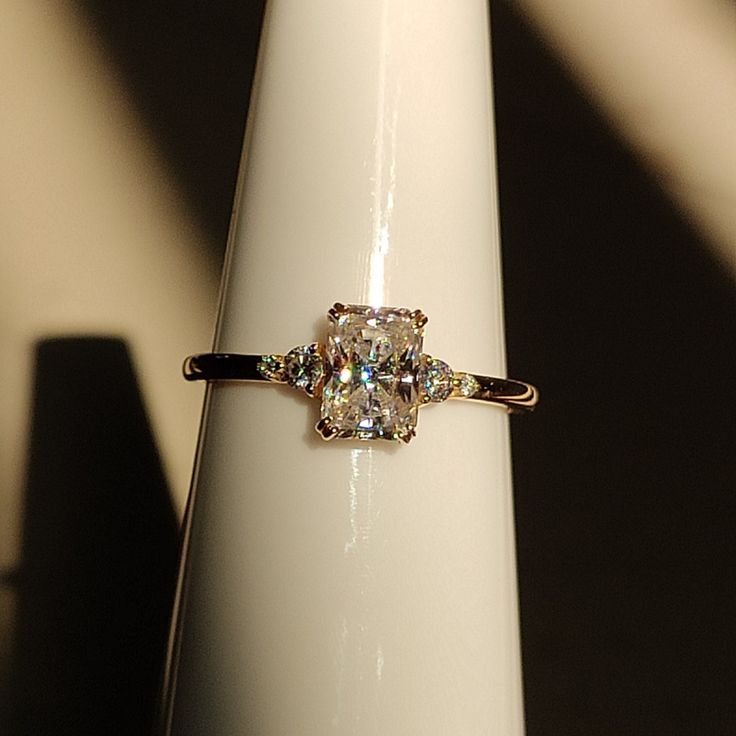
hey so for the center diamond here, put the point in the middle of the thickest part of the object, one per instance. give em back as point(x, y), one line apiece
point(373, 358)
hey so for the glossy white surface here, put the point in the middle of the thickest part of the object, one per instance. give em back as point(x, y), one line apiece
point(358, 588)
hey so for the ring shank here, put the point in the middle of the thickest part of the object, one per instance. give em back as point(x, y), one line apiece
point(517, 396)
point(223, 367)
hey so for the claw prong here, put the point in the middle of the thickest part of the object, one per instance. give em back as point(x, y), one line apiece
point(418, 319)
point(326, 429)
point(406, 437)
point(336, 311)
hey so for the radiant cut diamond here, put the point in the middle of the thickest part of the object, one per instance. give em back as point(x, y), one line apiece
point(371, 388)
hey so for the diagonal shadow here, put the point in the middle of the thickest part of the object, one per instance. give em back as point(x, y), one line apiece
point(99, 550)
point(188, 67)
point(624, 477)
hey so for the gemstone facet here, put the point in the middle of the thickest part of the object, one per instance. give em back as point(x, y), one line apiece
point(371, 389)
point(272, 367)
point(435, 379)
point(467, 385)
point(304, 368)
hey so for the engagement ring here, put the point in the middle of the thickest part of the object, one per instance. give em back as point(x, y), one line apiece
point(371, 375)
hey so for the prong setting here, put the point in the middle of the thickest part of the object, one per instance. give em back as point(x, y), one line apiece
point(418, 320)
point(405, 437)
point(336, 311)
point(326, 430)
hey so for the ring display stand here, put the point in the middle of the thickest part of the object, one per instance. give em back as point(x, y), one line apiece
point(356, 587)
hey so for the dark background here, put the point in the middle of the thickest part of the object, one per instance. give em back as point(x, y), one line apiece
point(624, 478)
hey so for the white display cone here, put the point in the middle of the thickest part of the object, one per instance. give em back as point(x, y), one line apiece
point(356, 587)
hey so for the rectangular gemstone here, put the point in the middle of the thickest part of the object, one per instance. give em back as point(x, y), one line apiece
point(370, 391)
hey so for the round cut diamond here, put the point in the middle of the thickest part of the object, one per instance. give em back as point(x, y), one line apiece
point(435, 379)
point(304, 368)
point(272, 367)
point(468, 385)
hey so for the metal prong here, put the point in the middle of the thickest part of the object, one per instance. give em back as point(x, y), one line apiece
point(336, 311)
point(406, 437)
point(326, 430)
point(418, 319)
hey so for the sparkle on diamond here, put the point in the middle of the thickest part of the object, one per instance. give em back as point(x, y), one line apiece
point(435, 379)
point(371, 388)
point(304, 368)
point(468, 385)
